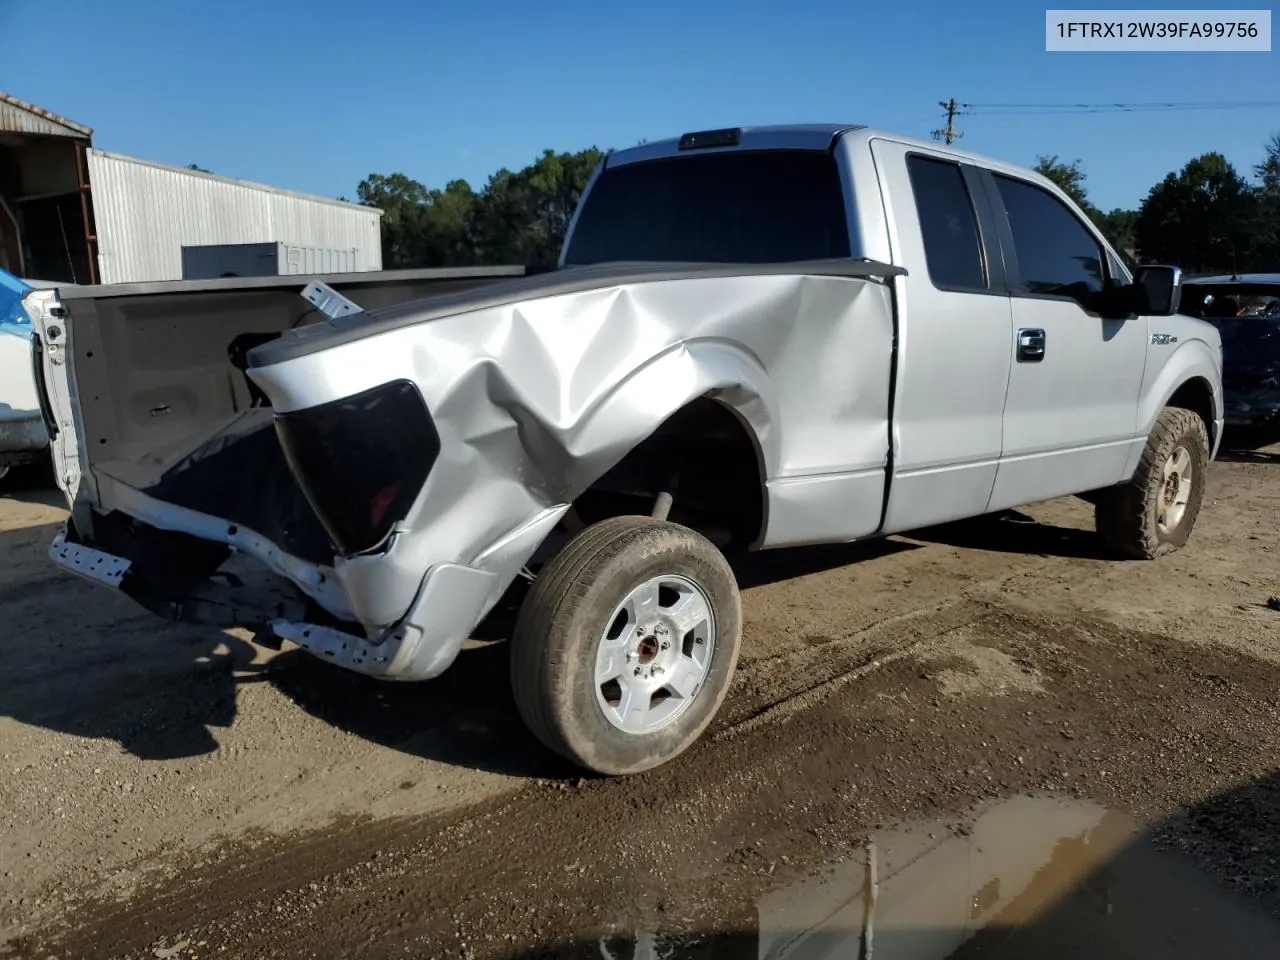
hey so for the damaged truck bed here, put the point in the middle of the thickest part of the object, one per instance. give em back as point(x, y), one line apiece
point(756, 338)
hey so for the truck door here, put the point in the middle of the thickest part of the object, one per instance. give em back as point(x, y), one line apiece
point(954, 337)
point(1072, 410)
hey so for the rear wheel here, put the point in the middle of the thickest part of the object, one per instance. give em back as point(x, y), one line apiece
point(626, 643)
point(1154, 513)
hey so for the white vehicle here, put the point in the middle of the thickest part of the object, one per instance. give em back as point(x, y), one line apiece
point(23, 438)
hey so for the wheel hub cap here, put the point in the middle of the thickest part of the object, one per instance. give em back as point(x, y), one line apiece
point(647, 649)
point(653, 657)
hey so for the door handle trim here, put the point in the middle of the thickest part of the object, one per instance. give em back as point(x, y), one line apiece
point(1031, 344)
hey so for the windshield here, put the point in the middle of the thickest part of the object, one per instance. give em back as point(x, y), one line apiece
point(771, 206)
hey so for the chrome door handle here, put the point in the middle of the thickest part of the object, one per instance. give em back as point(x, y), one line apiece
point(1031, 343)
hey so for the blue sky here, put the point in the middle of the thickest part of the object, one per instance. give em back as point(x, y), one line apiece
point(315, 95)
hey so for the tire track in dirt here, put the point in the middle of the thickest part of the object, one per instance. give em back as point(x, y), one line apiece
point(1119, 716)
point(260, 861)
point(829, 684)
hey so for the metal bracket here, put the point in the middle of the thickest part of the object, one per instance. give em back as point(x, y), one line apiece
point(87, 562)
point(329, 301)
point(353, 651)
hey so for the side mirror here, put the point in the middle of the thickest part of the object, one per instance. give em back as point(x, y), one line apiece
point(1158, 289)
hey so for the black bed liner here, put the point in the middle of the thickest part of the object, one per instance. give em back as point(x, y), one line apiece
point(240, 475)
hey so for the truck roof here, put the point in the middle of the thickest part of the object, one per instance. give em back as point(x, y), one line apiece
point(801, 136)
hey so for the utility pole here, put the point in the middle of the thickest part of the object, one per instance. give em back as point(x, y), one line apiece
point(949, 133)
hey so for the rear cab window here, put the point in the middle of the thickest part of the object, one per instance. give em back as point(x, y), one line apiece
point(948, 224)
point(747, 206)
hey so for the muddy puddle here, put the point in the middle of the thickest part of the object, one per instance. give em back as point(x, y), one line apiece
point(1026, 877)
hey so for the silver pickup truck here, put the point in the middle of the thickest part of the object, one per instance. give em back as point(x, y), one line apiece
point(757, 338)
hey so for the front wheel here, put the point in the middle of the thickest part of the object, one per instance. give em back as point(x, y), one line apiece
point(626, 643)
point(1154, 513)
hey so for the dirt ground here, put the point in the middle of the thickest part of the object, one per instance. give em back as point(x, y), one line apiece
point(176, 792)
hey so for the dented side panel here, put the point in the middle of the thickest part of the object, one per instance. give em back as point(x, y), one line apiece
point(535, 400)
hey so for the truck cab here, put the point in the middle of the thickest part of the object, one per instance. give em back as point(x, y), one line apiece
point(1021, 372)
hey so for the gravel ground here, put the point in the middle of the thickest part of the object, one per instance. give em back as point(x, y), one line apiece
point(173, 792)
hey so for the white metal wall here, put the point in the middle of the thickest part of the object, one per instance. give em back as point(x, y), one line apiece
point(145, 213)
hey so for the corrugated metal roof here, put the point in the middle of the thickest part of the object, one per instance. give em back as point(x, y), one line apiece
point(145, 213)
point(247, 184)
point(19, 116)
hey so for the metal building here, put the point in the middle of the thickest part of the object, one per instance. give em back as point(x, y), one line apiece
point(71, 213)
point(46, 223)
point(146, 213)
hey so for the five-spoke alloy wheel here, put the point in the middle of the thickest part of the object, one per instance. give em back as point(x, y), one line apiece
point(653, 657)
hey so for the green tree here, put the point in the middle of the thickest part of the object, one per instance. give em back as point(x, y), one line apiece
point(1118, 227)
point(421, 227)
point(1267, 238)
point(403, 202)
point(1203, 218)
point(1069, 178)
point(523, 217)
point(450, 216)
point(519, 217)
point(1268, 171)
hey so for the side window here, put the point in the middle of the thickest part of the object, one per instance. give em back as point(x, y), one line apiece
point(1056, 253)
point(948, 224)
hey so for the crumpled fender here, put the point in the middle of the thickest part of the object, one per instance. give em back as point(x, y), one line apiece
point(535, 400)
point(638, 404)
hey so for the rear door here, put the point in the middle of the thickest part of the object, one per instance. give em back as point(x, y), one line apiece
point(954, 337)
point(1071, 416)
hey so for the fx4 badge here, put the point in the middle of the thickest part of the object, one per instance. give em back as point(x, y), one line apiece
point(1163, 339)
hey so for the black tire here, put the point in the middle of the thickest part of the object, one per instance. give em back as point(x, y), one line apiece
point(565, 615)
point(1126, 516)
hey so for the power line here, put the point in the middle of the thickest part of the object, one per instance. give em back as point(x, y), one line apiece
point(949, 133)
point(990, 109)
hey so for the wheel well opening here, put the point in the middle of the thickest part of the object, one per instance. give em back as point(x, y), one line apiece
point(706, 457)
point(1197, 396)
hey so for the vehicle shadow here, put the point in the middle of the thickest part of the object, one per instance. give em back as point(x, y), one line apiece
point(84, 661)
point(467, 717)
point(1247, 446)
point(1016, 532)
point(95, 665)
point(791, 563)
point(32, 483)
point(1244, 455)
